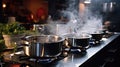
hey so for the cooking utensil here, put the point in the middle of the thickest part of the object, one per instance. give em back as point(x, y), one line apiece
point(96, 37)
point(43, 46)
point(77, 41)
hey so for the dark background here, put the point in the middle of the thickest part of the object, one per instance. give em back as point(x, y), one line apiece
point(96, 6)
point(55, 6)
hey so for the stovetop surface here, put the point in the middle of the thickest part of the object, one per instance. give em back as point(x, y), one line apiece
point(21, 60)
point(71, 56)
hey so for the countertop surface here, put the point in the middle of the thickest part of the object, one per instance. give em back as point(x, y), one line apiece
point(76, 60)
point(67, 59)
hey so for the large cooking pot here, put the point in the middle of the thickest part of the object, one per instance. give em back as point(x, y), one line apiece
point(43, 46)
point(77, 41)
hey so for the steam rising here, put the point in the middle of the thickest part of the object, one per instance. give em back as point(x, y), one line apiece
point(79, 22)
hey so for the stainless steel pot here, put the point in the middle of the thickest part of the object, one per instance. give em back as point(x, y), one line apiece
point(96, 37)
point(43, 46)
point(77, 41)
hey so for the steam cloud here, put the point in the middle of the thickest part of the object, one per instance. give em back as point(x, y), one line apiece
point(78, 23)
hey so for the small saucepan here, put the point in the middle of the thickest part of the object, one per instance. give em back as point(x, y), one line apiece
point(77, 41)
point(96, 37)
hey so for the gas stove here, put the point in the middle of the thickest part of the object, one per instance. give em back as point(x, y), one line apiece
point(18, 59)
point(42, 60)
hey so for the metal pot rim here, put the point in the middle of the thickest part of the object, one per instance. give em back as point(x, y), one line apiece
point(77, 37)
point(62, 38)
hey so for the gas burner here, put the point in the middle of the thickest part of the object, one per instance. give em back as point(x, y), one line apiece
point(43, 60)
point(76, 50)
point(37, 60)
point(25, 65)
point(95, 43)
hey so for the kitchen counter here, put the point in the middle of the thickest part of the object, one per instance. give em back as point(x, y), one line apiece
point(72, 59)
point(76, 60)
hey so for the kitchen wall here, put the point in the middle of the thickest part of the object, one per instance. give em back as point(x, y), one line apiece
point(111, 14)
point(51, 7)
point(55, 6)
point(25, 10)
point(36, 6)
point(114, 16)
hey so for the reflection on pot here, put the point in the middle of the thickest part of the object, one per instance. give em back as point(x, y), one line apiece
point(78, 41)
point(44, 46)
point(96, 37)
